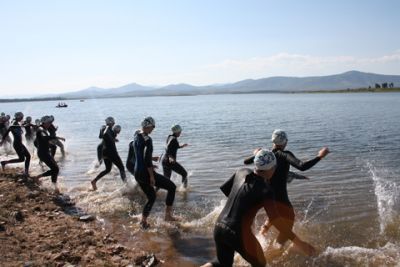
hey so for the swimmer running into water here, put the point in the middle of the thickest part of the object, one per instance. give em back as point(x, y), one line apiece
point(22, 151)
point(110, 154)
point(110, 122)
point(56, 141)
point(42, 142)
point(248, 191)
point(285, 159)
point(169, 161)
point(145, 174)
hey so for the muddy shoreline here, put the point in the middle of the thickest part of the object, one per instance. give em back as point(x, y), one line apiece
point(39, 228)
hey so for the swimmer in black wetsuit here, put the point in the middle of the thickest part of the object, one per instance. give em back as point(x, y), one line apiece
point(42, 143)
point(109, 123)
point(4, 124)
point(248, 191)
point(169, 162)
point(29, 129)
point(22, 151)
point(285, 159)
point(110, 154)
point(56, 141)
point(145, 174)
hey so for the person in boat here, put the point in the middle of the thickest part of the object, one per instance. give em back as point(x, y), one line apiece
point(279, 180)
point(145, 174)
point(248, 191)
point(110, 122)
point(169, 161)
point(20, 149)
point(42, 142)
point(56, 141)
point(110, 154)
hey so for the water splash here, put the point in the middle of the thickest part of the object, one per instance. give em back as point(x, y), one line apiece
point(208, 220)
point(388, 255)
point(387, 195)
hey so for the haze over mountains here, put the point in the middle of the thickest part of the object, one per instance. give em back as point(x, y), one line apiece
point(347, 80)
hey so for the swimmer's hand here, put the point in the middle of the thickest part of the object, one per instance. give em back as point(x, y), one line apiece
point(323, 152)
point(171, 160)
point(256, 150)
point(184, 145)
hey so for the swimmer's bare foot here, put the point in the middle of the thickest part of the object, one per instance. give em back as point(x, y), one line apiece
point(144, 225)
point(168, 215)
point(185, 182)
point(94, 185)
point(170, 218)
point(36, 179)
point(56, 189)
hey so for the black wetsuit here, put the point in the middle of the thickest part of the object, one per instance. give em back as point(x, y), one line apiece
point(247, 193)
point(29, 130)
point(52, 130)
point(110, 155)
point(285, 159)
point(100, 146)
point(143, 153)
point(3, 127)
point(22, 151)
point(42, 141)
point(170, 152)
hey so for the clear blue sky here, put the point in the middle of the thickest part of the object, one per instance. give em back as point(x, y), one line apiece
point(58, 46)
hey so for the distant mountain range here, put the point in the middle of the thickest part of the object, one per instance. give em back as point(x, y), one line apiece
point(347, 80)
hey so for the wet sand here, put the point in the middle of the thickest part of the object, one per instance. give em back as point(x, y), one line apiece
point(39, 228)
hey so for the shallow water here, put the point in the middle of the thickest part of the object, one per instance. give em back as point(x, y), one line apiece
point(349, 209)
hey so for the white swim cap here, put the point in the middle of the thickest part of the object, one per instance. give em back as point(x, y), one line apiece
point(117, 129)
point(46, 119)
point(109, 120)
point(176, 128)
point(279, 137)
point(19, 115)
point(264, 160)
point(148, 122)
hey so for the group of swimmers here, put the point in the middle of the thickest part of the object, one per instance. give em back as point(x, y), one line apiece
point(42, 134)
point(247, 190)
point(140, 163)
point(250, 190)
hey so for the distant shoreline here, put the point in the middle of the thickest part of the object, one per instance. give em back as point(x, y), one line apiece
point(358, 90)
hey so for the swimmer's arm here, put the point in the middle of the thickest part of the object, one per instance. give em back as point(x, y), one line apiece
point(227, 186)
point(5, 136)
point(293, 175)
point(249, 160)
point(298, 164)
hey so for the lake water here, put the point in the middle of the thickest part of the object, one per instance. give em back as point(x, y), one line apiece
point(349, 209)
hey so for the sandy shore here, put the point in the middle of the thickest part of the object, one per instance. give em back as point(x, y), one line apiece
point(38, 228)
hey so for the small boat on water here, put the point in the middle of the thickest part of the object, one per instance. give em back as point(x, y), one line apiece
point(61, 105)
